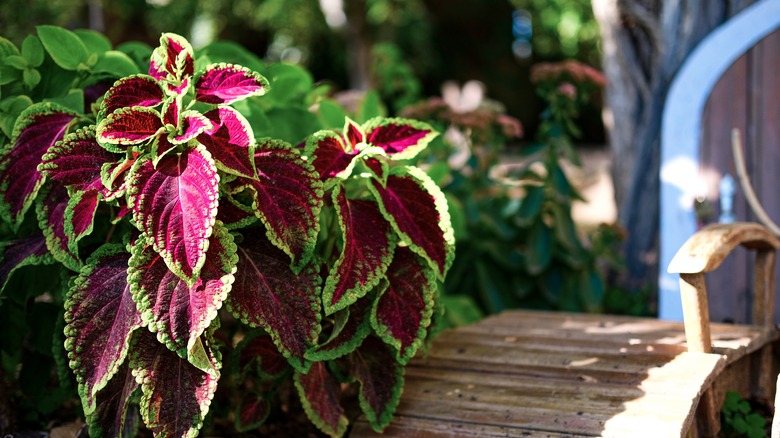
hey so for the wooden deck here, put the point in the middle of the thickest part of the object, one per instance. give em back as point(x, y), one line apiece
point(525, 373)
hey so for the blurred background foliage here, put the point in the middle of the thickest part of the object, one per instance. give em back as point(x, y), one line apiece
point(405, 49)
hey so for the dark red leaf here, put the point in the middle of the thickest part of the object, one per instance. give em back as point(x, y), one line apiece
point(368, 249)
point(80, 214)
point(78, 160)
point(127, 126)
point(330, 159)
point(400, 138)
point(269, 295)
point(320, 393)
point(15, 254)
point(52, 217)
point(381, 381)
point(172, 60)
point(36, 130)
point(287, 198)
point(403, 311)
point(230, 141)
point(100, 316)
point(132, 91)
point(417, 210)
point(260, 349)
point(114, 415)
point(346, 335)
point(252, 412)
point(175, 394)
point(234, 215)
point(353, 134)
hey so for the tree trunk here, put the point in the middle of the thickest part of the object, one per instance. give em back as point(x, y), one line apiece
point(644, 43)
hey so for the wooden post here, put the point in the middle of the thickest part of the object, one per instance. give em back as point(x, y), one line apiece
point(764, 289)
point(696, 312)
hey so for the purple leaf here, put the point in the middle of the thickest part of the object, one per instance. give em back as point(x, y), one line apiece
point(368, 249)
point(287, 198)
point(400, 138)
point(172, 60)
point(233, 214)
point(113, 416)
point(192, 124)
point(252, 412)
point(319, 392)
point(139, 90)
point(230, 141)
point(29, 251)
point(127, 126)
point(228, 83)
point(175, 205)
point(381, 381)
point(351, 326)
point(260, 349)
point(51, 209)
point(80, 214)
point(77, 161)
point(37, 129)
point(417, 210)
point(171, 110)
point(269, 295)
point(330, 159)
point(402, 313)
point(100, 316)
point(175, 394)
point(178, 313)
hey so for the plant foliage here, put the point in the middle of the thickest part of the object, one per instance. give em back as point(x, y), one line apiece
point(169, 199)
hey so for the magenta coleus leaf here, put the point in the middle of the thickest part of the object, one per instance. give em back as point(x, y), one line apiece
point(100, 316)
point(227, 83)
point(172, 60)
point(287, 198)
point(369, 242)
point(402, 313)
point(354, 134)
point(257, 351)
point(37, 128)
point(177, 312)
point(351, 327)
point(138, 90)
point(320, 392)
point(192, 124)
point(15, 254)
point(401, 139)
point(175, 394)
point(128, 126)
point(381, 381)
point(80, 214)
point(268, 294)
point(114, 416)
point(230, 141)
point(175, 205)
point(171, 111)
point(417, 210)
point(329, 155)
point(51, 210)
point(78, 161)
point(252, 411)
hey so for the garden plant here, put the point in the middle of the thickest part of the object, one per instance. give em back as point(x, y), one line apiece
point(168, 201)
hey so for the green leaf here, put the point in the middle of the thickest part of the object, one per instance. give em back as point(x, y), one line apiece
point(9, 111)
point(331, 114)
point(31, 77)
point(8, 74)
point(18, 62)
point(138, 52)
point(539, 249)
point(115, 63)
point(32, 50)
point(94, 41)
point(64, 46)
point(288, 82)
point(74, 100)
point(371, 106)
point(531, 206)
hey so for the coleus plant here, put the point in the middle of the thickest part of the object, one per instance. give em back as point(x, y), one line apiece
point(330, 253)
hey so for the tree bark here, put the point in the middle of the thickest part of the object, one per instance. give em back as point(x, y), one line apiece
point(644, 43)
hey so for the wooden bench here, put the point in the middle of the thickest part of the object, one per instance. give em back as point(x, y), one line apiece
point(523, 373)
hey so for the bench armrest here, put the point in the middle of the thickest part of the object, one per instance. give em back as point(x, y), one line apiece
point(704, 252)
